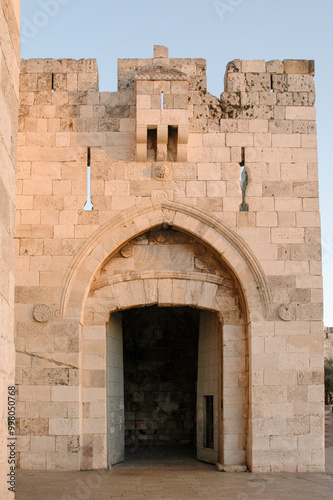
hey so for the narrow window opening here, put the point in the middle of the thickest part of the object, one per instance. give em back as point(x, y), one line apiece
point(243, 181)
point(151, 144)
point(242, 162)
point(209, 422)
point(162, 100)
point(88, 157)
point(88, 205)
point(172, 143)
point(272, 84)
point(52, 82)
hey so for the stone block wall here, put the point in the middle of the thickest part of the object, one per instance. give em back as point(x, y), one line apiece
point(263, 124)
point(9, 100)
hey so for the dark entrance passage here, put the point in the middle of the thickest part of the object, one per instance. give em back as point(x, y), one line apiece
point(160, 377)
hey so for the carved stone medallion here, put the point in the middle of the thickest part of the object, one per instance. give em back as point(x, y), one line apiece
point(127, 251)
point(41, 313)
point(286, 312)
point(160, 195)
point(162, 236)
point(160, 172)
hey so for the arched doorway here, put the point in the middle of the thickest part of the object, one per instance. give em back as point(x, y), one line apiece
point(90, 294)
point(172, 270)
point(163, 384)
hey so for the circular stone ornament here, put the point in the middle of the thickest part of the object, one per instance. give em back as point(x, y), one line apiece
point(161, 196)
point(127, 251)
point(41, 313)
point(160, 172)
point(162, 237)
point(286, 312)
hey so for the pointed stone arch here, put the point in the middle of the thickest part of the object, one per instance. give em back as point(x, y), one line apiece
point(89, 301)
point(118, 231)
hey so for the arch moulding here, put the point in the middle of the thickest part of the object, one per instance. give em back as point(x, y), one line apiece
point(115, 233)
point(167, 289)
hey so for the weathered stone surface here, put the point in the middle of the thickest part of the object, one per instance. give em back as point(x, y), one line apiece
point(41, 313)
point(166, 231)
point(287, 312)
point(294, 66)
point(231, 468)
point(9, 92)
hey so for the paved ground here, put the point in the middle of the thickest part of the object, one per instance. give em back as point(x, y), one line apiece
point(170, 480)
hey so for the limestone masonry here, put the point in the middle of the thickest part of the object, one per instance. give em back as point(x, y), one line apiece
point(176, 298)
point(9, 101)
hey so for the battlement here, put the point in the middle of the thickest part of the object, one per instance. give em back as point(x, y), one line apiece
point(254, 88)
point(271, 76)
point(74, 73)
point(278, 91)
point(62, 75)
point(287, 67)
point(195, 69)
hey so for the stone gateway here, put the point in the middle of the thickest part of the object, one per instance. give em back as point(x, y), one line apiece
point(168, 286)
point(168, 283)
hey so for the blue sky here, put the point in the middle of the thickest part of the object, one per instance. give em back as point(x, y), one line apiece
point(218, 31)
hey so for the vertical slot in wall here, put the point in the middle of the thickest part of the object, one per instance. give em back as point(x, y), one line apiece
point(209, 422)
point(172, 143)
point(88, 205)
point(151, 143)
point(243, 181)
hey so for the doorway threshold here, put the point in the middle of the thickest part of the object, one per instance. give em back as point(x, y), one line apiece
point(167, 457)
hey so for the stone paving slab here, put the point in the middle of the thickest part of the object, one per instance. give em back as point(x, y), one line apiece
point(171, 485)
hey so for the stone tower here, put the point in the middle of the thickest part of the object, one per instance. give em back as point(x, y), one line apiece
point(196, 243)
